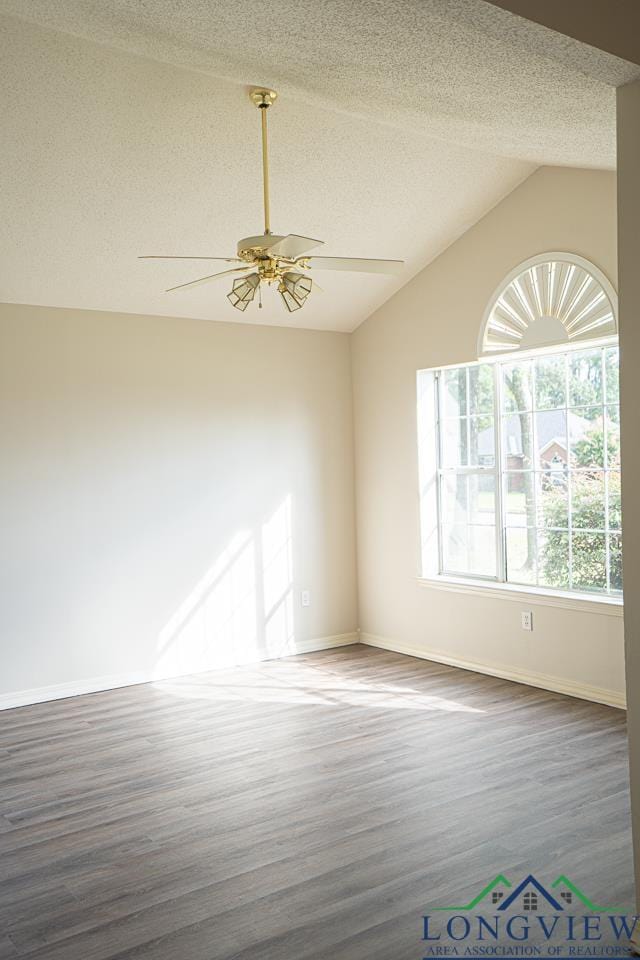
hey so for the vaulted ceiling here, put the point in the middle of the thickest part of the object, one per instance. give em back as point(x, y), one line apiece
point(128, 130)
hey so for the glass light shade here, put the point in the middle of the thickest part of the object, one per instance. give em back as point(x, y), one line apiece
point(243, 291)
point(294, 289)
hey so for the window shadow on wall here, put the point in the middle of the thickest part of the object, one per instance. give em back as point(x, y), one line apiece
point(241, 610)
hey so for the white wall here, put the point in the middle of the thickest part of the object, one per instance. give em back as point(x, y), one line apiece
point(149, 466)
point(435, 320)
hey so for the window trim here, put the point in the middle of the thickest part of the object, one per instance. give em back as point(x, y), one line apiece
point(497, 589)
point(607, 604)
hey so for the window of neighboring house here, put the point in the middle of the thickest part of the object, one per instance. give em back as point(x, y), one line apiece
point(520, 463)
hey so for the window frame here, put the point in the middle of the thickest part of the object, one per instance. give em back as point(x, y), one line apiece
point(499, 584)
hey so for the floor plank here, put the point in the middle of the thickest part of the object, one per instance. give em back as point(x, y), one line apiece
point(300, 809)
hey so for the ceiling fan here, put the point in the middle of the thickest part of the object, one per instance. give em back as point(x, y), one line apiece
point(274, 259)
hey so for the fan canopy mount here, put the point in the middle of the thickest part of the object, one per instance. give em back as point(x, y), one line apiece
point(262, 97)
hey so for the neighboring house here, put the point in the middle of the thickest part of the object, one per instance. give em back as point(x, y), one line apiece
point(551, 441)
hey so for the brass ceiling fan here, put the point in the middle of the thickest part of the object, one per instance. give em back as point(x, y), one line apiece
point(273, 258)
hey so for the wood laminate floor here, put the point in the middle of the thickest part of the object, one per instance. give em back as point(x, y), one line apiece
point(307, 808)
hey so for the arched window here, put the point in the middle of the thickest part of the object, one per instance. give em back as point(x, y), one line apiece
point(555, 298)
point(520, 450)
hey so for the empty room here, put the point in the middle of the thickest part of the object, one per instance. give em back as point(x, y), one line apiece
point(319, 597)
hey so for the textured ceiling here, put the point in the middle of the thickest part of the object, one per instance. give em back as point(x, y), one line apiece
point(398, 126)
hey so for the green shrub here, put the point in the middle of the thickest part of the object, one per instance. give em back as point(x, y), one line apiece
point(588, 549)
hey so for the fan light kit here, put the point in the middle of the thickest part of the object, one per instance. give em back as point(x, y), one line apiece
point(273, 258)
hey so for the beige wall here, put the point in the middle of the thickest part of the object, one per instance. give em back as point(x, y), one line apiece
point(629, 273)
point(149, 467)
point(169, 487)
point(611, 25)
point(435, 320)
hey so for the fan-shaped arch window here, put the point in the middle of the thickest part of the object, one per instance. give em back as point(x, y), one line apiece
point(555, 298)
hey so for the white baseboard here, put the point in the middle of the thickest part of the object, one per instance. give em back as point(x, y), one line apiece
point(60, 691)
point(556, 684)
point(323, 643)
point(76, 688)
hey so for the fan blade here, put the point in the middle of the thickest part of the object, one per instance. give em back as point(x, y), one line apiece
point(292, 246)
point(159, 257)
point(213, 276)
point(355, 264)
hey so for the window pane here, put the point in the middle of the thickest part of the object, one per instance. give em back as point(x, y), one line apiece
point(612, 374)
point(520, 543)
point(516, 387)
point(468, 499)
point(519, 503)
point(586, 437)
point(614, 413)
point(482, 500)
point(455, 441)
point(615, 513)
point(453, 497)
point(553, 547)
point(454, 393)
point(550, 378)
point(469, 549)
point(588, 500)
point(517, 441)
point(551, 440)
point(588, 561)
point(585, 378)
point(615, 561)
point(552, 496)
point(481, 389)
point(481, 442)
point(612, 422)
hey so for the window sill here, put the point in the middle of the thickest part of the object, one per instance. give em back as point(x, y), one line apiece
point(607, 606)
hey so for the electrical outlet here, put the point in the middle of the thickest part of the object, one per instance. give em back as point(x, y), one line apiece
point(527, 620)
point(305, 598)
